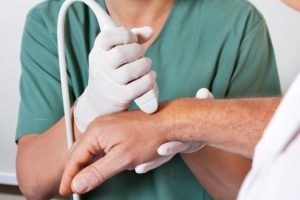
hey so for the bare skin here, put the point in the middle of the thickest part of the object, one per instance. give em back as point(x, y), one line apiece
point(224, 123)
point(195, 160)
point(221, 181)
point(221, 173)
point(153, 13)
point(295, 4)
point(32, 148)
point(32, 162)
point(40, 153)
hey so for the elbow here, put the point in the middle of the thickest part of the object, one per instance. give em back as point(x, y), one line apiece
point(31, 188)
point(30, 185)
point(30, 181)
point(32, 192)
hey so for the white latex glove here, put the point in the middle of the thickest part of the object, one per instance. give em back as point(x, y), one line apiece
point(118, 73)
point(170, 149)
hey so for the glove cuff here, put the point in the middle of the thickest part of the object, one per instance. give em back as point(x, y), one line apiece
point(84, 114)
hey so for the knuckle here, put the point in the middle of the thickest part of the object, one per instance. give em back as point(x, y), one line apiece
point(94, 52)
point(125, 35)
point(102, 39)
point(104, 34)
point(146, 63)
point(93, 127)
point(96, 56)
point(149, 80)
point(129, 160)
point(149, 61)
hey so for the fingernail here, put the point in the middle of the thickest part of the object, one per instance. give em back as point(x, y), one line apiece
point(80, 185)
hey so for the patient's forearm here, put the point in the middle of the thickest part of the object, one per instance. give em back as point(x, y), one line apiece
point(234, 125)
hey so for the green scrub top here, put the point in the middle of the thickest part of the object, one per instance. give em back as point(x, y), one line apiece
point(221, 45)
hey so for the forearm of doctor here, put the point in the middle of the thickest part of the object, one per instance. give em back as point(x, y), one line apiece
point(220, 173)
point(41, 157)
point(40, 161)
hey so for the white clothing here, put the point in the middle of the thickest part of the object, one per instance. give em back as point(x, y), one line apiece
point(275, 172)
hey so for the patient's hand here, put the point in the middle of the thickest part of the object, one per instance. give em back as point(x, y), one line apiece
point(121, 140)
point(168, 150)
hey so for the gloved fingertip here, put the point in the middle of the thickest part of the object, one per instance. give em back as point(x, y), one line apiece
point(143, 33)
point(154, 75)
point(204, 93)
point(163, 151)
point(149, 60)
point(170, 148)
point(140, 170)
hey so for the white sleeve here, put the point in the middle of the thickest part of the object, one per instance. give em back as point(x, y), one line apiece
point(282, 127)
point(275, 170)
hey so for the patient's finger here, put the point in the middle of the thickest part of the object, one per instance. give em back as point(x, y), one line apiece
point(80, 156)
point(95, 174)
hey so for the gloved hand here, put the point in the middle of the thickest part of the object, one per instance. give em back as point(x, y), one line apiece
point(170, 149)
point(118, 73)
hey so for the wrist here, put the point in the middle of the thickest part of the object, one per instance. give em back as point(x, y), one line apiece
point(186, 114)
point(175, 122)
point(173, 115)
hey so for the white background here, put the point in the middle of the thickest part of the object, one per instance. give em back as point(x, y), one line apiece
point(12, 17)
point(284, 26)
